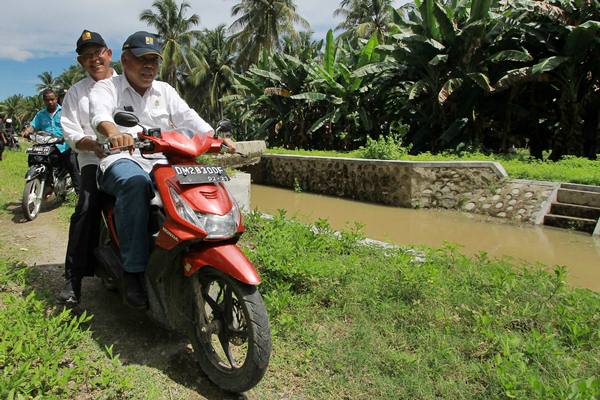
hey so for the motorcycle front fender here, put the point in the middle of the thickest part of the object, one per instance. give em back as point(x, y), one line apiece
point(227, 258)
point(35, 171)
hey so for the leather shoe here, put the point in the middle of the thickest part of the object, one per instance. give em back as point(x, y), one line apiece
point(134, 294)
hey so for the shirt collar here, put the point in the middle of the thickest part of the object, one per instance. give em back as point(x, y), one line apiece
point(127, 86)
point(58, 108)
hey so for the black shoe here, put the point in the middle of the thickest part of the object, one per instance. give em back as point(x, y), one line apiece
point(71, 293)
point(134, 294)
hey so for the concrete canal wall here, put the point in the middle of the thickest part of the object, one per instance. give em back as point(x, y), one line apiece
point(472, 186)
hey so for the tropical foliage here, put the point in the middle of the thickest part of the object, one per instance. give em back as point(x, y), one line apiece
point(174, 28)
point(483, 75)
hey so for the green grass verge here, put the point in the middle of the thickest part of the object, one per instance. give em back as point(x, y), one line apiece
point(12, 175)
point(569, 169)
point(49, 353)
point(358, 322)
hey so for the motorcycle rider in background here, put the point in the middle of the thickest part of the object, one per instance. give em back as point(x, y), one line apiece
point(94, 56)
point(126, 175)
point(48, 119)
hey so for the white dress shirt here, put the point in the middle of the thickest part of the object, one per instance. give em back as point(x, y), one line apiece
point(75, 119)
point(159, 107)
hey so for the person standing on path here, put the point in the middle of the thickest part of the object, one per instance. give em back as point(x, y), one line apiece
point(95, 57)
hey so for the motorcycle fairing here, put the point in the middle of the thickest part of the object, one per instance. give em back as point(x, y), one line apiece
point(225, 257)
point(34, 171)
point(181, 144)
point(206, 198)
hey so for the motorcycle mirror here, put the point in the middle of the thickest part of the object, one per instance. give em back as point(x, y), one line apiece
point(225, 125)
point(126, 119)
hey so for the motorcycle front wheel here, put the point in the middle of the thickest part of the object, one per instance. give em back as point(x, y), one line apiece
point(232, 338)
point(32, 198)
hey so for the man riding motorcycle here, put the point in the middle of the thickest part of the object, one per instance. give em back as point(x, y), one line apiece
point(126, 175)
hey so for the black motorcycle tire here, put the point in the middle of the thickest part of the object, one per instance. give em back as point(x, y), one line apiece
point(246, 305)
point(32, 198)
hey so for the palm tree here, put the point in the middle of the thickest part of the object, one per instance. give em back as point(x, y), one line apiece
point(365, 18)
point(174, 28)
point(29, 107)
point(12, 106)
point(213, 78)
point(21, 109)
point(48, 82)
point(260, 26)
point(70, 76)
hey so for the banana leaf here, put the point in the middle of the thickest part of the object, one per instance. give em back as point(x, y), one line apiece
point(548, 64)
point(511, 55)
point(417, 89)
point(329, 56)
point(310, 96)
point(265, 74)
point(373, 69)
point(481, 80)
point(320, 122)
point(513, 77)
point(448, 33)
point(449, 87)
point(365, 57)
point(438, 59)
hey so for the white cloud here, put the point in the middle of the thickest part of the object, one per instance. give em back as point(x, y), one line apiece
point(42, 28)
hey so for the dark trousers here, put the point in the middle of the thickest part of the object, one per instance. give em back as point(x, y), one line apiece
point(84, 228)
point(1, 147)
point(69, 160)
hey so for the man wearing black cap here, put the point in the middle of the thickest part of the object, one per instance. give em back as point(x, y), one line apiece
point(94, 56)
point(126, 175)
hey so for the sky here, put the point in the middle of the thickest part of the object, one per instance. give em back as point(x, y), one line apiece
point(40, 35)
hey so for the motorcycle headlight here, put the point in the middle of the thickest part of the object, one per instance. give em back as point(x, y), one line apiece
point(217, 226)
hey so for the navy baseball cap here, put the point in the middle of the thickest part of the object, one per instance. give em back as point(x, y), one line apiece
point(141, 43)
point(89, 37)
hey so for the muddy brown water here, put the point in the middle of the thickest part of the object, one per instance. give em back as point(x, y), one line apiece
point(579, 252)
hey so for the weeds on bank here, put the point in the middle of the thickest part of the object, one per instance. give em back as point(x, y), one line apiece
point(354, 321)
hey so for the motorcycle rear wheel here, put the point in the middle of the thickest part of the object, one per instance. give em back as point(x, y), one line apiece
point(32, 198)
point(232, 339)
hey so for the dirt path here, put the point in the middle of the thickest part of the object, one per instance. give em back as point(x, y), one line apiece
point(137, 339)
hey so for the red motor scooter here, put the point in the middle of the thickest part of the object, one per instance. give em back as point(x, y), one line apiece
point(198, 281)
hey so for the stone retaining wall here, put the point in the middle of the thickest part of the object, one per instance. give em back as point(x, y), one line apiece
point(473, 186)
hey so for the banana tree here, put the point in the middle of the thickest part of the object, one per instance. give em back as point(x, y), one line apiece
point(444, 49)
point(345, 119)
point(565, 59)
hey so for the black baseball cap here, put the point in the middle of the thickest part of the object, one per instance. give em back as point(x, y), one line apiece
point(89, 37)
point(141, 43)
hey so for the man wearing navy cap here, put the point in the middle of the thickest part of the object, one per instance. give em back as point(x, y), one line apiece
point(94, 56)
point(126, 175)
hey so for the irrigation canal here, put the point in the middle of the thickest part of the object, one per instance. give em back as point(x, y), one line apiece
point(579, 252)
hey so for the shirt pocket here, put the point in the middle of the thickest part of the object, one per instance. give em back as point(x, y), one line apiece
point(160, 118)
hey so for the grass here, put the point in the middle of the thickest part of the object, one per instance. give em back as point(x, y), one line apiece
point(48, 353)
point(348, 321)
point(358, 322)
point(569, 169)
point(12, 175)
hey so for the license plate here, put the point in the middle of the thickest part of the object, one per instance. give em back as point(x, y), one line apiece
point(39, 150)
point(197, 174)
